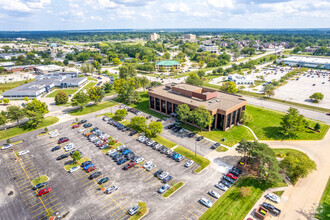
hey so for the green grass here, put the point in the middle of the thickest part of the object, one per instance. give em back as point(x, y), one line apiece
point(233, 135)
point(105, 150)
point(284, 150)
point(163, 141)
point(10, 85)
point(279, 193)
point(266, 125)
point(69, 166)
point(109, 114)
point(202, 161)
point(40, 179)
point(173, 189)
point(92, 108)
point(325, 203)
point(12, 132)
point(232, 205)
point(68, 91)
point(222, 149)
point(91, 79)
point(125, 123)
point(142, 211)
point(89, 85)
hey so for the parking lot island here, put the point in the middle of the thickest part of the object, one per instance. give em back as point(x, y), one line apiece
point(173, 189)
point(203, 162)
point(40, 179)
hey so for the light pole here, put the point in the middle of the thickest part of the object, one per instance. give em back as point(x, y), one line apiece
point(195, 146)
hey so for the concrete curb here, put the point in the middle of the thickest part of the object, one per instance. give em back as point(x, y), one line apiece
point(173, 192)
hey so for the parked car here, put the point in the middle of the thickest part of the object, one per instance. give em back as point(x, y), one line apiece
point(95, 175)
point(272, 197)
point(23, 152)
point(147, 164)
point(73, 169)
point(81, 130)
point(40, 185)
point(85, 163)
point(189, 163)
point(139, 160)
point(120, 162)
point(44, 191)
point(111, 189)
point(105, 118)
point(69, 147)
point(190, 135)
point(163, 175)
point(167, 179)
point(199, 138)
point(158, 172)
point(103, 180)
point(226, 183)
point(127, 151)
point(87, 125)
point(206, 202)
point(164, 188)
point(221, 186)
point(62, 156)
point(133, 210)
point(176, 156)
point(132, 133)
point(271, 208)
point(110, 152)
point(214, 194)
point(180, 158)
point(75, 126)
point(6, 146)
point(228, 179)
point(82, 121)
point(90, 169)
point(151, 167)
point(62, 140)
point(232, 176)
point(129, 165)
point(88, 166)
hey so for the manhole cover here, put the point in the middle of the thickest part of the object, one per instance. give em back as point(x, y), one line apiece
point(10, 193)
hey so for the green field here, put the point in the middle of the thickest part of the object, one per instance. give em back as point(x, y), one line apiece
point(68, 91)
point(69, 166)
point(91, 79)
point(163, 141)
point(92, 108)
point(142, 211)
point(324, 208)
point(40, 179)
point(266, 125)
point(10, 85)
point(173, 189)
point(89, 85)
point(232, 206)
point(12, 132)
point(202, 161)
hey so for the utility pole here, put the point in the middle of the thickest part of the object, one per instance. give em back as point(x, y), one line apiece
point(195, 147)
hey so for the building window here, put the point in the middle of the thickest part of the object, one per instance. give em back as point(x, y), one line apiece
point(233, 118)
point(213, 123)
point(157, 104)
point(238, 115)
point(243, 108)
point(169, 107)
point(228, 121)
point(174, 107)
point(163, 106)
point(220, 120)
point(152, 102)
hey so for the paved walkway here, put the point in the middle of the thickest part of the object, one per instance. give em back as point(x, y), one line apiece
point(254, 135)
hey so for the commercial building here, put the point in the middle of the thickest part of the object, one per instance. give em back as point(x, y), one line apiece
point(307, 62)
point(210, 48)
point(226, 108)
point(240, 80)
point(153, 36)
point(8, 56)
point(190, 37)
point(48, 69)
point(44, 84)
point(167, 64)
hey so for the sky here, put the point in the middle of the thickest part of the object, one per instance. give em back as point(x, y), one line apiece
point(20, 15)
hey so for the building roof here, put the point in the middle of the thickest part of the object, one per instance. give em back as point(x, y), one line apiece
point(314, 60)
point(167, 63)
point(222, 101)
point(49, 67)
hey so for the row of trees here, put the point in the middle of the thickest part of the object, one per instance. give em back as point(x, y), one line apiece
point(154, 128)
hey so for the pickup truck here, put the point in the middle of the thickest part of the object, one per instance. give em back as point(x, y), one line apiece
point(271, 208)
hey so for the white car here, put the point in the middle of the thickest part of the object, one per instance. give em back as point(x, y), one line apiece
point(273, 197)
point(6, 146)
point(147, 164)
point(163, 175)
point(189, 163)
point(139, 160)
point(206, 202)
point(164, 188)
point(53, 133)
point(133, 210)
point(69, 147)
point(152, 166)
point(214, 194)
point(23, 152)
point(111, 151)
point(73, 169)
point(111, 189)
point(221, 186)
point(81, 130)
point(119, 148)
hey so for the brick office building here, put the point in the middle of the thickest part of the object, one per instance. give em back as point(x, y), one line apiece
point(226, 108)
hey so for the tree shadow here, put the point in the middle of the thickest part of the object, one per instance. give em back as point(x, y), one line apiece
point(273, 133)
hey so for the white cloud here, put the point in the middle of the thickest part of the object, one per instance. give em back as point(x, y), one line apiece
point(221, 3)
point(176, 7)
point(14, 5)
point(95, 18)
point(106, 4)
point(38, 4)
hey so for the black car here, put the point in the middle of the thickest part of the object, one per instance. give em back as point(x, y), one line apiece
point(62, 156)
point(191, 135)
point(228, 179)
point(237, 170)
point(171, 154)
point(170, 126)
point(129, 156)
point(214, 146)
point(149, 116)
point(87, 125)
point(103, 180)
point(226, 183)
point(56, 148)
point(38, 186)
point(125, 128)
point(95, 129)
point(95, 175)
point(158, 172)
point(217, 144)
point(82, 122)
point(199, 138)
point(133, 133)
point(86, 163)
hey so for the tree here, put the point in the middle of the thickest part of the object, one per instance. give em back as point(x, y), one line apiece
point(107, 87)
point(245, 191)
point(116, 61)
point(292, 123)
point(3, 120)
point(183, 112)
point(80, 99)
point(126, 90)
point(87, 68)
point(317, 97)
point(120, 114)
point(61, 98)
point(144, 82)
point(76, 156)
point(95, 94)
point(229, 87)
point(167, 56)
point(154, 128)
point(202, 117)
point(269, 90)
point(155, 83)
point(138, 123)
point(35, 111)
point(246, 118)
point(193, 79)
point(65, 62)
point(83, 56)
point(317, 126)
point(26, 99)
point(201, 73)
point(15, 113)
point(6, 101)
point(127, 71)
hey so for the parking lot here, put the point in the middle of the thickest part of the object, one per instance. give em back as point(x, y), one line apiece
point(83, 198)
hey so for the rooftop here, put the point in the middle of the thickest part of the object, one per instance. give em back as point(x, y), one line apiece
point(49, 67)
point(315, 60)
point(168, 63)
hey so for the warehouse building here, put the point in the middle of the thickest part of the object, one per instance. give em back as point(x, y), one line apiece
point(226, 108)
point(307, 62)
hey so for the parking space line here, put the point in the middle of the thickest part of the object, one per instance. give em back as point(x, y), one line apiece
point(116, 206)
point(197, 209)
point(154, 180)
point(84, 180)
point(58, 209)
point(51, 201)
point(54, 205)
point(87, 183)
point(49, 197)
point(159, 184)
point(31, 202)
point(121, 210)
point(22, 184)
point(146, 174)
point(25, 190)
point(192, 214)
point(35, 210)
point(33, 206)
point(39, 214)
point(28, 197)
point(185, 217)
point(112, 200)
point(28, 167)
point(210, 196)
point(146, 180)
point(141, 172)
point(137, 169)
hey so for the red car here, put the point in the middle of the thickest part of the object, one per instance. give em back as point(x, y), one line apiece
point(101, 144)
point(75, 126)
point(62, 140)
point(129, 165)
point(232, 176)
point(44, 191)
point(90, 169)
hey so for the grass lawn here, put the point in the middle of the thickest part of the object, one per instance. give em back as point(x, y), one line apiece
point(92, 108)
point(232, 205)
point(91, 79)
point(142, 211)
point(173, 189)
point(69, 166)
point(233, 135)
point(105, 150)
point(68, 91)
point(279, 193)
point(222, 149)
point(324, 209)
point(266, 125)
point(40, 179)
point(89, 85)
point(10, 85)
point(125, 122)
point(284, 150)
point(203, 162)
point(12, 132)
point(109, 114)
point(164, 141)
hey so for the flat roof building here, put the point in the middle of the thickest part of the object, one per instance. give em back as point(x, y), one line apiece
point(153, 36)
point(226, 108)
point(48, 69)
point(240, 80)
point(210, 48)
point(167, 64)
point(307, 61)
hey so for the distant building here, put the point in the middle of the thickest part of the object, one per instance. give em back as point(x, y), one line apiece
point(8, 56)
point(19, 68)
point(311, 49)
point(167, 64)
point(44, 84)
point(240, 80)
point(153, 36)
point(307, 61)
point(210, 48)
point(48, 69)
point(189, 36)
point(7, 64)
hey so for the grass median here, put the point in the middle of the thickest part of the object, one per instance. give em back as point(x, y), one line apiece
point(105, 150)
point(89, 85)
point(203, 162)
point(79, 162)
point(173, 189)
point(91, 108)
point(68, 91)
point(18, 130)
point(142, 211)
point(40, 179)
point(163, 141)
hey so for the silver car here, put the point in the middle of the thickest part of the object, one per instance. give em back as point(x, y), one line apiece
point(214, 194)
point(164, 188)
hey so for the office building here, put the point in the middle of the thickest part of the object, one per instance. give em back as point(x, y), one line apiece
point(153, 36)
point(240, 80)
point(210, 48)
point(307, 62)
point(167, 64)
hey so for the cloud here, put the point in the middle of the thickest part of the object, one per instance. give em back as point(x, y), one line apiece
point(176, 7)
point(221, 3)
point(26, 6)
point(95, 18)
point(38, 4)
